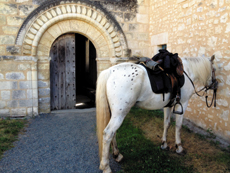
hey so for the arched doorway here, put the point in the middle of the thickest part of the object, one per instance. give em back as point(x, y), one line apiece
point(55, 18)
point(73, 72)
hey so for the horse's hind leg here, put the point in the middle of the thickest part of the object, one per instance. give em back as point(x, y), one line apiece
point(167, 117)
point(116, 154)
point(108, 134)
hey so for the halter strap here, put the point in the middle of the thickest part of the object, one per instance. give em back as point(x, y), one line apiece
point(195, 87)
point(214, 86)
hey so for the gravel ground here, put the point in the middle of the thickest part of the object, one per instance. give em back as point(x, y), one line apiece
point(56, 143)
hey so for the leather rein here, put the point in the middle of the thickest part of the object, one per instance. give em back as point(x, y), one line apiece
point(213, 86)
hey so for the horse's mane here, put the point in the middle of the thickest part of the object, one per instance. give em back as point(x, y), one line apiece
point(200, 67)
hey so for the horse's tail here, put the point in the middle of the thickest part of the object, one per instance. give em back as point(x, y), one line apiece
point(102, 107)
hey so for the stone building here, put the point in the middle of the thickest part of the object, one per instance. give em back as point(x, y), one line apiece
point(37, 37)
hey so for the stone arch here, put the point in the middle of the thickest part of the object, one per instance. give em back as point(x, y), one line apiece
point(38, 32)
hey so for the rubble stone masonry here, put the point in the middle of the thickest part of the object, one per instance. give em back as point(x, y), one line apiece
point(198, 28)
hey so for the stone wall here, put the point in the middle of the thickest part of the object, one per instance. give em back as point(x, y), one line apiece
point(29, 27)
point(18, 83)
point(197, 28)
point(134, 20)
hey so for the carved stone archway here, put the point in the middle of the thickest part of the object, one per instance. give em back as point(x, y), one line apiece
point(51, 20)
point(82, 18)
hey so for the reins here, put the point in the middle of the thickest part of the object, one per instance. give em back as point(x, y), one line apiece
point(213, 86)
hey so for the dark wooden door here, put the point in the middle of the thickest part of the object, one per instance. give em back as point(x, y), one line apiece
point(62, 73)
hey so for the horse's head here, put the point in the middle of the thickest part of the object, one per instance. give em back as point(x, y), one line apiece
point(212, 82)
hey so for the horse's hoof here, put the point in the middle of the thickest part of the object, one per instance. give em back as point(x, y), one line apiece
point(164, 148)
point(182, 153)
point(119, 157)
point(105, 170)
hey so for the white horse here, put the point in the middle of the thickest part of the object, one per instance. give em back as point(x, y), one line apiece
point(126, 85)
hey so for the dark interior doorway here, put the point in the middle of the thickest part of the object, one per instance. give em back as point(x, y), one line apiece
point(73, 72)
point(86, 72)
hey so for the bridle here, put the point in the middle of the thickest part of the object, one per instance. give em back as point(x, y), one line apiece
point(213, 86)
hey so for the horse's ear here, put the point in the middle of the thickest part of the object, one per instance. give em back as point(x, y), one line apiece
point(212, 58)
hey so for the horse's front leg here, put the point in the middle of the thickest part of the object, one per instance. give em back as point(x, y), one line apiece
point(167, 117)
point(108, 134)
point(116, 154)
point(179, 121)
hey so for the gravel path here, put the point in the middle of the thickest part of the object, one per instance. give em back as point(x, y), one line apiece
point(56, 143)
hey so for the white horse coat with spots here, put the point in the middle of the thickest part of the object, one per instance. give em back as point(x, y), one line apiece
point(125, 85)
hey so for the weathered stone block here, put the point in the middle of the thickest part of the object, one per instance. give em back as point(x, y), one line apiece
point(18, 94)
point(10, 29)
point(24, 67)
point(5, 95)
point(25, 84)
point(8, 8)
point(129, 17)
point(2, 104)
point(143, 18)
point(13, 49)
point(159, 39)
point(35, 102)
point(225, 115)
point(4, 112)
point(44, 100)
point(2, 20)
point(119, 16)
point(18, 111)
point(43, 75)
point(8, 85)
point(2, 50)
point(25, 103)
point(20, 1)
point(32, 111)
point(1, 76)
point(12, 104)
point(15, 20)
point(143, 9)
point(42, 84)
point(38, 2)
point(133, 27)
point(15, 75)
point(44, 92)
point(224, 18)
point(44, 108)
point(29, 94)
point(25, 10)
point(7, 39)
point(143, 36)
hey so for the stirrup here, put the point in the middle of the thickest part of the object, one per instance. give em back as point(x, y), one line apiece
point(178, 112)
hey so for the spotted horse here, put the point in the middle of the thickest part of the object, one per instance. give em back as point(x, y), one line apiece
point(125, 85)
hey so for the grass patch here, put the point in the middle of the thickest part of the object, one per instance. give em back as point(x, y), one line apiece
point(9, 130)
point(141, 155)
point(139, 140)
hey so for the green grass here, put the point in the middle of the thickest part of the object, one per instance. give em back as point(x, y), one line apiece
point(141, 155)
point(9, 130)
point(142, 152)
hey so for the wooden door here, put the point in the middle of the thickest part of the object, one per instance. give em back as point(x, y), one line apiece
point(62, 73)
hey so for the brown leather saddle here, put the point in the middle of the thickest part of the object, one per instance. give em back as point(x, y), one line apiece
point(165, 71)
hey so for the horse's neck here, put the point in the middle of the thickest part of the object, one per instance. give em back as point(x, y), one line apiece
point(197, 69)
point(189, 71)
